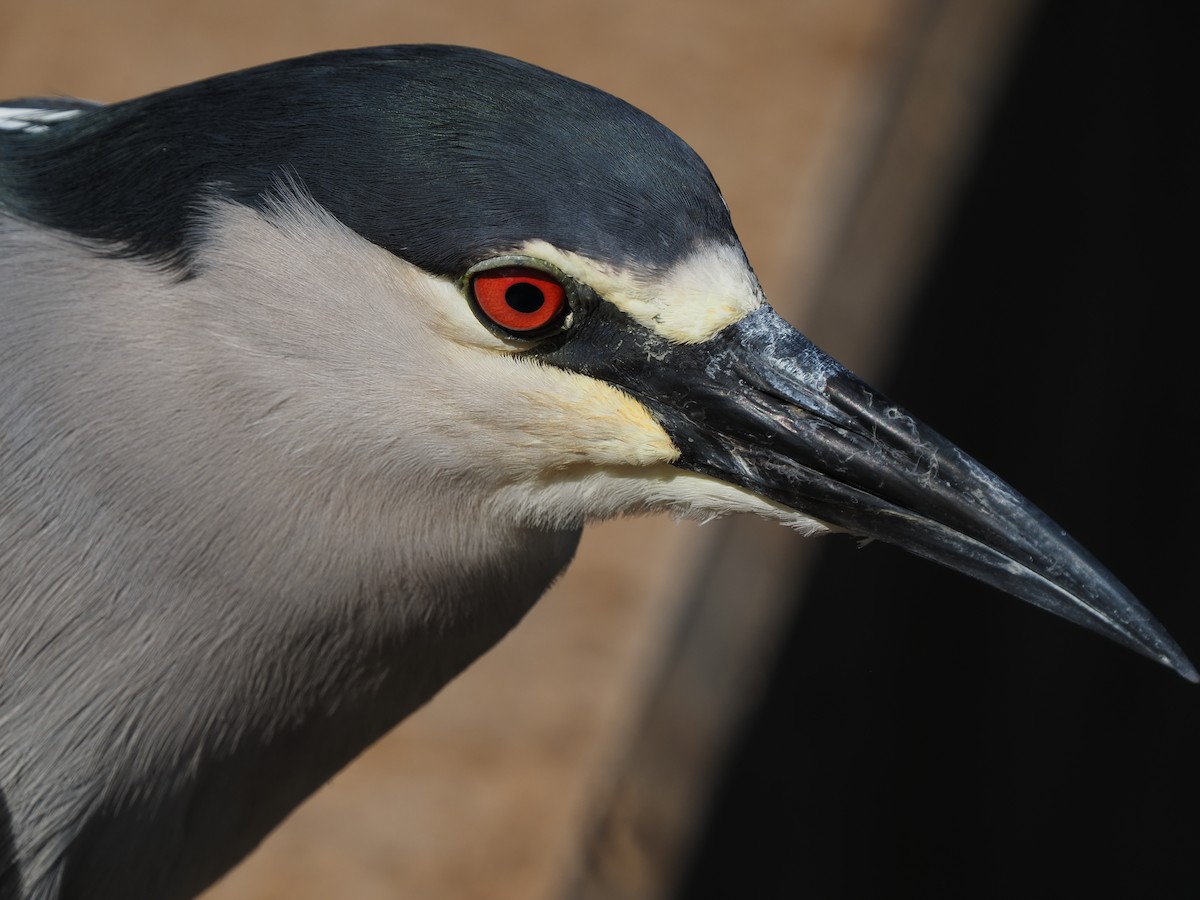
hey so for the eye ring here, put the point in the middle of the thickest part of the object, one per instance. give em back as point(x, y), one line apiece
point(518, 300)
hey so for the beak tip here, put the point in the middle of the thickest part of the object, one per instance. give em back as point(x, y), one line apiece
point(1172, 656)
point(1184, 667)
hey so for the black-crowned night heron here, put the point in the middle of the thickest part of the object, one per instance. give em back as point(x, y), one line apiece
point(310, 376)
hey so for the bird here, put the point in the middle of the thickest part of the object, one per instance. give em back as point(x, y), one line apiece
point(311, 375)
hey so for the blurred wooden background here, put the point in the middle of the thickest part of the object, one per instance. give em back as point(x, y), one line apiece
point(553, 768)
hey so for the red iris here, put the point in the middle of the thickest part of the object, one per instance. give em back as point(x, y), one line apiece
point(519, 300)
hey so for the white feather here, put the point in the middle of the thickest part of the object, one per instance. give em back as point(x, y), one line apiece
point(32, 121)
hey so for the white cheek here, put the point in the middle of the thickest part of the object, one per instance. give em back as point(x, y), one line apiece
point(571, 499)
point(447, 312)
point(376, 353)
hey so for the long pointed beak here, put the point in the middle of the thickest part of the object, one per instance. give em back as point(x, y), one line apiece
point(762, 407)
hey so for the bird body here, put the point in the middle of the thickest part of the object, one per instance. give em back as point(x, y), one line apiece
point(275, 466)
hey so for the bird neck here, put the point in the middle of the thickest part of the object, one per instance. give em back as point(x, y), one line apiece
point(210, 601)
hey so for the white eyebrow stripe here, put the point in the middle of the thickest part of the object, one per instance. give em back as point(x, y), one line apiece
point(703, 293)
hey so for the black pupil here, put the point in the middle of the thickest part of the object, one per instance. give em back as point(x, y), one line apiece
point(524, 297)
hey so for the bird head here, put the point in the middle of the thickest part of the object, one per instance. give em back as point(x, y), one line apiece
point(531, 294)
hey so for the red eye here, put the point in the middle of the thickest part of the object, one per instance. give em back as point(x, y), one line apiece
point(519, 300)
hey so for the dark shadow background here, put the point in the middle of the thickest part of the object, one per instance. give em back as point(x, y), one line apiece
point(924, 736)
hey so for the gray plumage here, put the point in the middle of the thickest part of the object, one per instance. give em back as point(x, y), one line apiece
point(218, 584)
